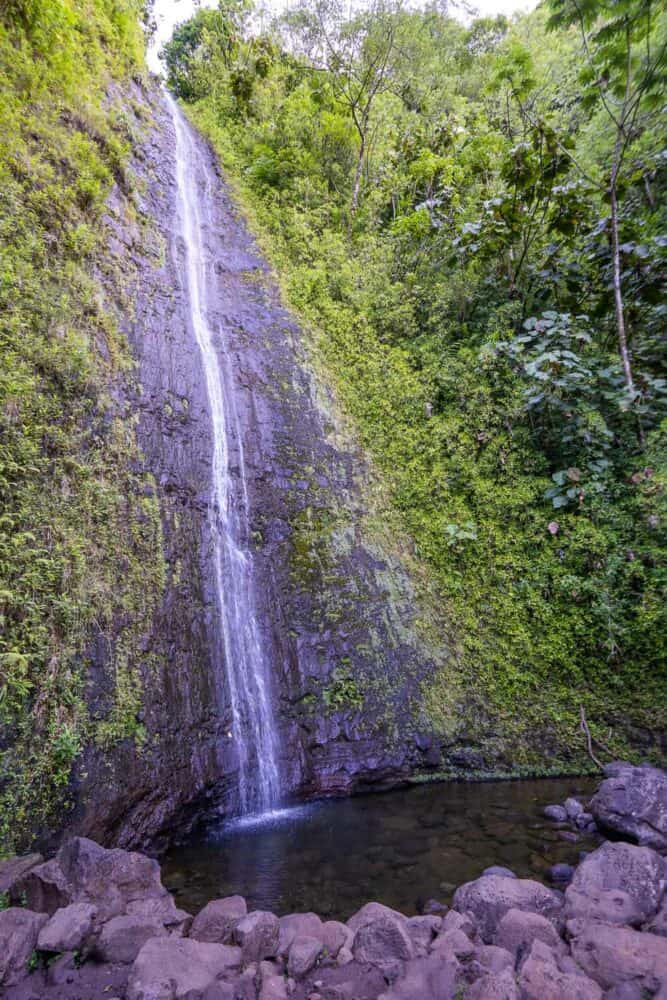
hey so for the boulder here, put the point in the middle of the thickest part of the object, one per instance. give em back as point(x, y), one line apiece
point(84, 872)
point(658, 923)
point(14, 869)
point(335, 936)
point(19, 930)
point(274, 988)
point(169, 968)
point(489, 898)
point(67, 929)
point(44, 888)
point(494, 986)
point(613, 955)
point(617, 884)
point(217, 921)
point(455, 921)
point(297, 925)
point(499, 870)
point(541, 979)
point(383, 942)
point(422, 930)
point(556, 813)
point(425, 979)
point(632, 801)
point(491, 958)
point(518, 929)
point(161, 909)
point(453, 943)
point(258, 934)
point(371, 911)
point(303, 955)
point(123, 937)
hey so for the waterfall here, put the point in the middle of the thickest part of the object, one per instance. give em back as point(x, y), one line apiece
point(246, 665)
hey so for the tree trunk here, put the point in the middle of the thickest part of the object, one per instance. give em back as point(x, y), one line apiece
point(356, 187)
point(618, 294)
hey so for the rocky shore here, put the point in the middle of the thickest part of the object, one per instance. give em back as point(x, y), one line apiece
point(96, 923)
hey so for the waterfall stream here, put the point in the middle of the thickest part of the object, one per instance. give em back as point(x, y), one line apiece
point(246, 666)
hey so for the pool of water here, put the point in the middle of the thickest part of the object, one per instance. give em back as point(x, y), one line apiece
point(400, 848)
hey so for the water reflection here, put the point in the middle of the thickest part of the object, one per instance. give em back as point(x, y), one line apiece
point(400, 847)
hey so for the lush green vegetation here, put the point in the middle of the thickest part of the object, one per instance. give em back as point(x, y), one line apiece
point(471, 222)
point(79, 528)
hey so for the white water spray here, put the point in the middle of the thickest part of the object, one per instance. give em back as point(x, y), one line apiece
point(247, 669)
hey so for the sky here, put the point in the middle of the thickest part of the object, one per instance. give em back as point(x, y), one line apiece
point(169, 13)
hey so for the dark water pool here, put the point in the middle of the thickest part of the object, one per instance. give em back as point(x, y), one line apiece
point(398, 847)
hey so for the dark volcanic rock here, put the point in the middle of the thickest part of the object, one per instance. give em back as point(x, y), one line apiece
point(19, 929)
point(617, 884)
point(632, 802)
point(490, 897)
point(14, 869)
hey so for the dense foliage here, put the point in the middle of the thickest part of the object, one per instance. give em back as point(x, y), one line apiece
point(471, 221)
point(79, 530)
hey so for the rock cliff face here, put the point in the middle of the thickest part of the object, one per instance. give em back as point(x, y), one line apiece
point(338, 609)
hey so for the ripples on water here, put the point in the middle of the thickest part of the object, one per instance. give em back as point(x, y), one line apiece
point(399, 847)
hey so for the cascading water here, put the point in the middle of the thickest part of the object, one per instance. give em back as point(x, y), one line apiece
point(247, 669)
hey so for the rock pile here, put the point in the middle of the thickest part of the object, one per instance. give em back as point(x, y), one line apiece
point(99, 923)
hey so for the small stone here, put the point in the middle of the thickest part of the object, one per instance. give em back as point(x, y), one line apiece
point(62, 970)
point(556, 813)
point(561, 874)
point(499, 870)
